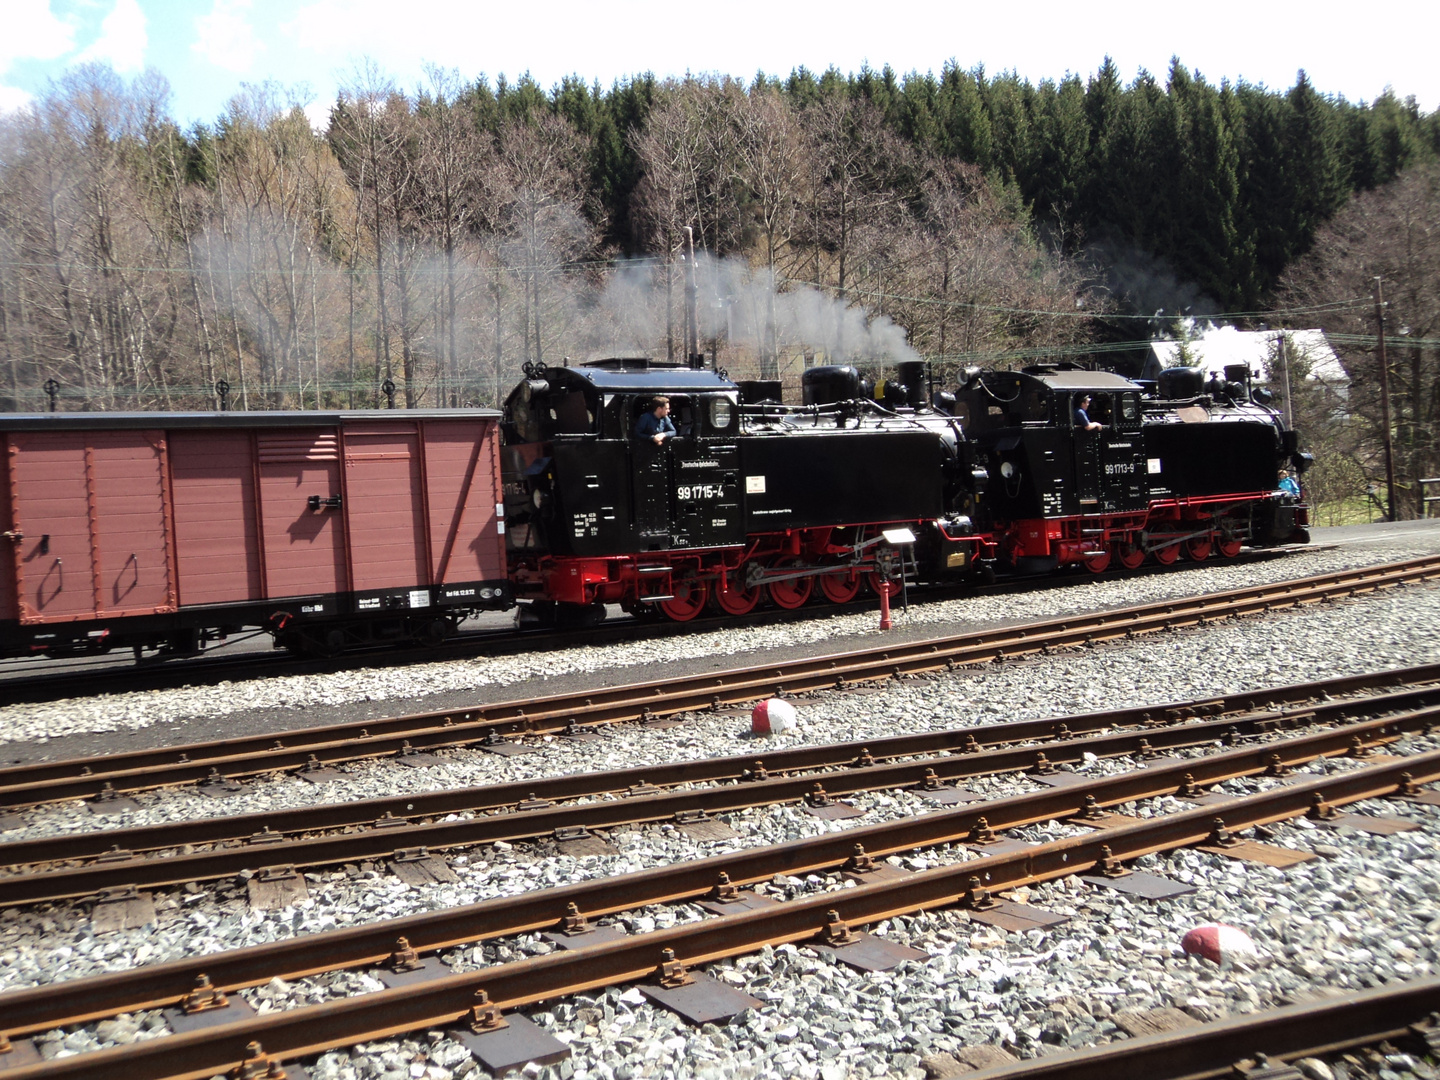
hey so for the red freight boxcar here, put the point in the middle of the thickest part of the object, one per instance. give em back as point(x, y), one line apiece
point(166, 531)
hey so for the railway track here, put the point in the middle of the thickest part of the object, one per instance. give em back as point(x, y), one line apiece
point(1405, 1014)
point(473, 999)
point(38, 783)
point(933, 761)
point(241, 659)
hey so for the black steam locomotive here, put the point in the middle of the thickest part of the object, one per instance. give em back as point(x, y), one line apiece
point(865, 485)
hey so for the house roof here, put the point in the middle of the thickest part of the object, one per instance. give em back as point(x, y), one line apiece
point(1223, 345)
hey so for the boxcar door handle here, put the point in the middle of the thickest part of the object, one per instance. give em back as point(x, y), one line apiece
point(316, 502)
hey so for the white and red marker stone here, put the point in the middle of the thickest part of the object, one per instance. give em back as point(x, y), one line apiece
point(772, 717)
point(1218, 943)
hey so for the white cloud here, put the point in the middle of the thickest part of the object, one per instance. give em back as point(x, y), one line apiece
point(122, 41)
point(13, 99)
point(226, 38)
point(32, 32)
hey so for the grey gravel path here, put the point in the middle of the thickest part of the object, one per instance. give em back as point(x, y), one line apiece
point(1367, 912)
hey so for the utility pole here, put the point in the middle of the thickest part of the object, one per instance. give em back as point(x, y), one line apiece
point(1285, 370)
point(1385, 401)
point(693, 356)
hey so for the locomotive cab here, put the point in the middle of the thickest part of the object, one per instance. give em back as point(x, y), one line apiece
point(1041, 459)
point(579, 483)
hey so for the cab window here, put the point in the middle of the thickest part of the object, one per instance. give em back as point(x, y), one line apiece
point(682, 414)
point(1037, 406)
point(570, 414)
point(1101, 409)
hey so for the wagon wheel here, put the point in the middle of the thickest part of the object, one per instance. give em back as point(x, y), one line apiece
point(1128, 555)
point(1229, 548)
point(1167, 555)
point(1197, 548)
point(1098, 564)
point(793, 593)
point(688, 601)
point(840, 587)
point(731, 596)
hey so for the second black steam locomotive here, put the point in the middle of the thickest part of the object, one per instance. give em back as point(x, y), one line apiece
point(862, 486)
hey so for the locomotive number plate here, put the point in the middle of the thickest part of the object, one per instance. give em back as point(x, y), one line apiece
point(686, 492)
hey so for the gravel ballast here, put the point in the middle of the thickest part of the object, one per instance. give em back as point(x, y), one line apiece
point(1367, 912)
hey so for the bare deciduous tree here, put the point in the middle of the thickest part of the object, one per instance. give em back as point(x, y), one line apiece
point(1389, 233)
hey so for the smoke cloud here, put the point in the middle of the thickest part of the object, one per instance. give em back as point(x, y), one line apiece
point(745, 311)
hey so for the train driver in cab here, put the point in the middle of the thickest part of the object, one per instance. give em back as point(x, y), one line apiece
point(655, 425)
point(1082, 415)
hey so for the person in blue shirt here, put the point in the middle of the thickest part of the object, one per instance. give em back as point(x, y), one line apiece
point(656, 424)
point(1082, 416)
point(1289, 485)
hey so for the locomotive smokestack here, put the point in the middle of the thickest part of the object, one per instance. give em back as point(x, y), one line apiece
point(692, 327)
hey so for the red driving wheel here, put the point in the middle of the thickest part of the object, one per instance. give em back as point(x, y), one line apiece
point(793, 593)
point(840, 587)
point(1197, 548)
point(1167, 555)
point(731, 596)
point(1098, 564)
point(688, 601)
point(1229, 548)
point(1128, 555)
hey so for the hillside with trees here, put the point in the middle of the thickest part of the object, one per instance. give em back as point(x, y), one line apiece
point(441, 236)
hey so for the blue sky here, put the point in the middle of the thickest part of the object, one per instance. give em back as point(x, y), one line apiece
point(208, 48)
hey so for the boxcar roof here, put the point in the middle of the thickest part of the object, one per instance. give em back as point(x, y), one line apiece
point(80, 421)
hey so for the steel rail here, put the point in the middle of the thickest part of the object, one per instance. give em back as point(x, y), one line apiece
point(60, 1004)
point(141, 770)
point(116, 870)
point(449, 1000)
point(272, 825)
point(1208, 1052)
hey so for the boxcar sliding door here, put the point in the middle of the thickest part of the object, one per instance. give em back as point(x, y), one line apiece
point(303, 525)
point(88, 524)
point(384, 505)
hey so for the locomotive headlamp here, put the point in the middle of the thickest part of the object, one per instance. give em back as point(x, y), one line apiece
point(538, 498)
point(1007, 470)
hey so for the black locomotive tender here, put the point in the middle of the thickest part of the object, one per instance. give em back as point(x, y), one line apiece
point(864, 486)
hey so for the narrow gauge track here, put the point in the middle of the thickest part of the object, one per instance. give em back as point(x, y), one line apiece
point(466, 998)
point(43, 1008)
point(234, 758)
point(1403, 1013)
point(389, 831)
point(30, 681)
